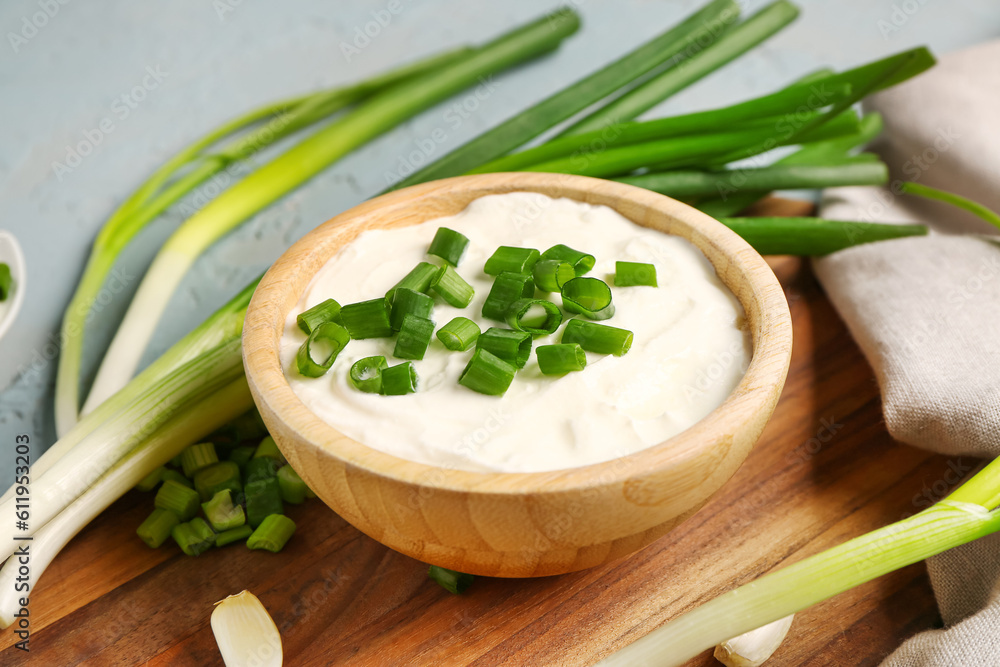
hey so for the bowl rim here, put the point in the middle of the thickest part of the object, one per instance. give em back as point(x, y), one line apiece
point(734, 259)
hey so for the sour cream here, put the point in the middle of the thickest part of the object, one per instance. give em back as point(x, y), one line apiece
point(689, 351)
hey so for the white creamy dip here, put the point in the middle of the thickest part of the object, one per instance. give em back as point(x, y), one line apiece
point(689, 351)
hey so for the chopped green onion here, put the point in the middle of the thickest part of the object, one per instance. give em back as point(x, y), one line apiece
point(272, 534)
point(507, 288)
point(240, 455)
point(260, 469)
point(263, 498)
point(599, 338)
point(581, 261)
point(233, 535)
point(196, 457)
point(368, 319)
point(293, 489)
point(459, 334)
point(452, 287)
point(450, 580)
point(150, 481)
point(588, 296)
point(222, 513)
point(176, 461)
point(366, 374)
point(155, 530)
point(180, 500)
point(6, 280)
point(248, 426)
point(330, 338)
point(214, 478)
point(418, 279)
point(509, 258)
point(514, 347)
point(268, 448)
point(195, 537)
point(328, 311)
point(414, 337)
point(409, 302)
point(399, 379)
point(562, 358)
point(487, 373)
point(534, 316)
point(551, 274)
point(176, 477)
point(629, 274)
point(449, 245)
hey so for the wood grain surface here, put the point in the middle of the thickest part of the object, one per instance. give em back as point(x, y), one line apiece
point(824, 470)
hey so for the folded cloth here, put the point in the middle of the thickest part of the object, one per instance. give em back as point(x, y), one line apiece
point(926, 313)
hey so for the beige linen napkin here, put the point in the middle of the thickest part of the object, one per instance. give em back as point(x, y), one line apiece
point(926, 313)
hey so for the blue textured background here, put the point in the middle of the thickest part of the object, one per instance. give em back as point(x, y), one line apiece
point(224, 57)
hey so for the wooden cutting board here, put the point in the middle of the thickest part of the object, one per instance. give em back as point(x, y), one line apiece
point(824, 470)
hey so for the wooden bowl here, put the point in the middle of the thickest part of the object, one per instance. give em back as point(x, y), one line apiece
point(520, 524)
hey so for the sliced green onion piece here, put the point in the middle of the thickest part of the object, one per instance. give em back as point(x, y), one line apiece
point(293, 489)
point(263, 499)
point(409, 302)
point(240, 455)
point(366, 374)
point(328, 311)
point(180, 500)
point(452, 287)
point(177, 477)
point(487, 373)
point(399, 379)
point(6, 280)
point(150, 481)
point(222, 513)
point(451, 581)
point(196, 457)
point(559, 359)
point(514, 347)
point(507, 288)
point(195, 537)
point(449, 245)
point(459, 334)
point(581, 261)
point(155, 530)
point(331, 338)
point(224, 475)
point(599, 338)
point(418, 279)
point(588, 296)
point(509, 258)
point(534, 316)
point(551, 274)
point(260, 469)
point(368, 319)
point(629, 274)
point(414, 337)
point(233, 535)
point(268, 448)
point(272, 534)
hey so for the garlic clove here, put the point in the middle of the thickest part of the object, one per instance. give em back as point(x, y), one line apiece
point(245, 633)
point(751, 649)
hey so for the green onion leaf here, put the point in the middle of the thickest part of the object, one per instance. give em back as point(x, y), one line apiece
point(507, 288)
point(629, 274)
point(509, 258)
point(155, 530)
point(551, 274)
point(224, 475)
point(534, 316)
point(459, 334)
point(6, 280)
point(368, 319)
point(487, 373)
point(272, 534)
point(409, 302)
point(581, 261)
point(331, 338)
point(450, 580)
point(195, 537)
point(589, 297)
point(449, 245)
point(399, 379)
point(599, 338)
point(328, 311)
point(414, 337)
point(180, 500)
point(560, 359)
point(366, 374)
point(514, 347)
point(196, 457)
point(222, 513)
point(233, 535)
point(263, 498)
point(452, 287)
point(418, 279)
point(293, 489)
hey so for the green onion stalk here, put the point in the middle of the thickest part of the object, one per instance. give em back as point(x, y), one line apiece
point(376, 115)
point(164, 187)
